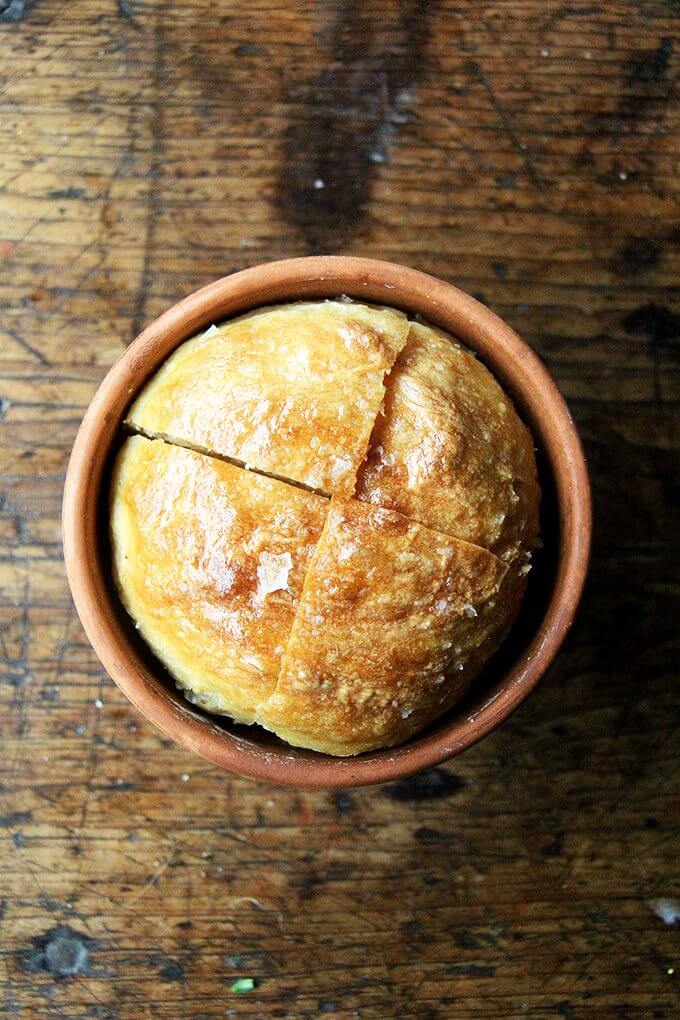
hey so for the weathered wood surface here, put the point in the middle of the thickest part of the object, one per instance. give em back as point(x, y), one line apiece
point(527, 151)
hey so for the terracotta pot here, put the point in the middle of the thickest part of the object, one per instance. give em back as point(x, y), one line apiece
point(552, 596)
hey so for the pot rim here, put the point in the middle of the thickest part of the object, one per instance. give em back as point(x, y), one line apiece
point(443, 304)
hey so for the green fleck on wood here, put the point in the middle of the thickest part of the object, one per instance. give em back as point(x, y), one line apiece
point(243, 985)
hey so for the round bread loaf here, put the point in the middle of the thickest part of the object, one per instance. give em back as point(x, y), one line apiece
point(324, 522)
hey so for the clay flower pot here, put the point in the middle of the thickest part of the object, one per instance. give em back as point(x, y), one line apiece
point(552, 595)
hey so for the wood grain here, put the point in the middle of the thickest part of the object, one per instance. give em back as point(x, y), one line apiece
point(529, 153)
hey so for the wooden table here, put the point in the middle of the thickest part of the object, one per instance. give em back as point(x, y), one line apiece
point(528, 152)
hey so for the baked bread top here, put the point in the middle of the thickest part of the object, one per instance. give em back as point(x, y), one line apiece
point(292, 391)
point(450, 451)
point(209, 560)
point(392, 620)
point(341, 624)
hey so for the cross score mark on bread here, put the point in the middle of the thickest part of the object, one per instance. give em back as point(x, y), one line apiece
point(342, 625)
point(291, 391)
point(210, 562)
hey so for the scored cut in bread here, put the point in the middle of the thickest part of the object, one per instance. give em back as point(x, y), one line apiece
point(346, 624)
point(209, 560)
point(450, 451)
point(394, 623)
point(291, 391)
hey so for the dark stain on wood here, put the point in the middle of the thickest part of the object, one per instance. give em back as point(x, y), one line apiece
point(431, 785)
point(657, 321)
point(555, 847)
point(308, 884)
point(661, 327)
point(348, 116)
point(471, 969)
point(637, 255)
point(343, 800)
point(127, 9)
point(15, 818)
point(172, 971)
point(426, 834)
point(646, 67)
point(647, 89)
point(14, 10)
point(466, 940)
point(73, 191)
point(61, 952)
point(574, 11)
point(250, 49)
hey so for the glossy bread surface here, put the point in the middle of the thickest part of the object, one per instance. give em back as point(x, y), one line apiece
point(209, 560)
point(292, 390)
point(450, 451)
point(361, 640)
point(394, 622)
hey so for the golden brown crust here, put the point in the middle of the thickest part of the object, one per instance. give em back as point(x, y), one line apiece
point(291, 390)
point(361, 640)
point(209, 560)
point(393, 624)
point(450, 451)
